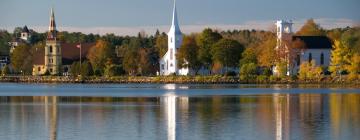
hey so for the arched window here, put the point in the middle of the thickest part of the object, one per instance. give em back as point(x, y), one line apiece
point(322, 59)
point(50, 49)
point(310, 57)
point(171, 54)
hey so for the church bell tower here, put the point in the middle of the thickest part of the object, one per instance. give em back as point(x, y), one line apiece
point(52, 49)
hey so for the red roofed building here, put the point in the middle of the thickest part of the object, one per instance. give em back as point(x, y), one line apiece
point(57, 57)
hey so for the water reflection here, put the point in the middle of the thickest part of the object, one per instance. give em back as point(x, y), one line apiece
point(274, 116)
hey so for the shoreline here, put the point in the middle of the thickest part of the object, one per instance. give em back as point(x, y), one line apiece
point(166, 80)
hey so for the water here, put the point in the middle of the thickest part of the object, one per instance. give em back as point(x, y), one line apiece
point(181, 112)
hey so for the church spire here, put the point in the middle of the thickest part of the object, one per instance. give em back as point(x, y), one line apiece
point(175, 22)
point(52, 25)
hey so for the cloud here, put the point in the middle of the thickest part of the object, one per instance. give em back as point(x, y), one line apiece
point(326, 23)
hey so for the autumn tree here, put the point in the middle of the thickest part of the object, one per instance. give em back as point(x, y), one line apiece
point(99, 54)
point(161, 44)
point(21, 59)
point(266, 52)
point(354, 67)
point(310, 28)
point(187, 54)
point(227, 52)
point(309, 71)
point(340, 57)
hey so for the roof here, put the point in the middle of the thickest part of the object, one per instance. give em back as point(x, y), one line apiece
point(25, 29)
point(315, 42)
point(69, 52)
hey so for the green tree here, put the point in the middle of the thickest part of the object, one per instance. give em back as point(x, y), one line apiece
point(21, 59)
point(99, 54)
point(131, 57)
point(310, 28)
point(227, 52)
point(75, 69)
point(205, 41)
point(187, 54)
point(86, 69)
point(248, 71)
point(248, 56)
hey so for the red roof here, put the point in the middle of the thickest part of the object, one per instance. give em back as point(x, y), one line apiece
point(69, 51)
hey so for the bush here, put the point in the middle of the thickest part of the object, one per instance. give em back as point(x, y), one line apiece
point(248, 72)
point(309, 71)
point(5, 71)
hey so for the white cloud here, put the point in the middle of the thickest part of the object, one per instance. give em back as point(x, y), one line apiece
point(327, 23)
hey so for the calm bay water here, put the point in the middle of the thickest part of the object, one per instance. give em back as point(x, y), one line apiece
point(181, 112)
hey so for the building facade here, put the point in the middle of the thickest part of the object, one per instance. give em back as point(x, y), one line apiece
point(57, 57)
point(168, 63)
point(315, 48)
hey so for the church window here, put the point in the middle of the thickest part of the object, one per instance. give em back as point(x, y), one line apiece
point(51, 70)
point(162, 66)
point(322, 59)
point(171, 40)
point(39, 69)
point(298, 60)
point(310, 57)
point(50, 49)
point(171, 54)
point(171, 65)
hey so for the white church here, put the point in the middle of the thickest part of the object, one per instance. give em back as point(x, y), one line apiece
point(168, 63)
point(317, 48)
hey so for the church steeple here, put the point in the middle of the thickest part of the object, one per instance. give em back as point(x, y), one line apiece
point(52, 25)
point(175, 23)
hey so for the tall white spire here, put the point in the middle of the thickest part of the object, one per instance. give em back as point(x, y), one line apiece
point(175, 23)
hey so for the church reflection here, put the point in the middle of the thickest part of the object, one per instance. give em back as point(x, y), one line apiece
point(173, 116)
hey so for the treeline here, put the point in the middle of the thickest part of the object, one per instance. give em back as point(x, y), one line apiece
point(251, 51)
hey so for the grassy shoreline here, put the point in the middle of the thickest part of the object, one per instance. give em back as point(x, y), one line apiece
point(171, 79)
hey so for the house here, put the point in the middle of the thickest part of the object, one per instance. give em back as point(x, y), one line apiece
point(317, 48)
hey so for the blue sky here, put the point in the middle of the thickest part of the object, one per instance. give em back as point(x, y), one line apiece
point(131, 15)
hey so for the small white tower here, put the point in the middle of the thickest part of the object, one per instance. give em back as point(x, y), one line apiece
point(284, 34)
point(284, 31)
point(25, 34)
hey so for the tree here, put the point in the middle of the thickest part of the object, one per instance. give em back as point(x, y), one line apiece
point(86, 69)
point(99, 54)
point(266, 52)
point(187, 54)
point(131, 57)
point(354, 67)
point(227, 52)
point(310, 28)
point(340, 57)
point(161, 44)
point(75, 69)
point(5, 71)
point(248, 56)
point(21, 59)
point(309, 71)
point(205, 41)
point(248, 70)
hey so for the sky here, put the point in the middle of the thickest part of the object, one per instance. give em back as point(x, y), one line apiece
point(127, 17)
